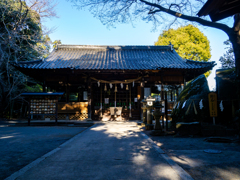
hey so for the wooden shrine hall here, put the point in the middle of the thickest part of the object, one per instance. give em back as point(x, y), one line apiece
point(97, 78)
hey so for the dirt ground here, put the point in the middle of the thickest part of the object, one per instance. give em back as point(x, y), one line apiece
point(197, 157)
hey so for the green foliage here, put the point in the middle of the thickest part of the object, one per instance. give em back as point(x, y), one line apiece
point(189, 42)
point(56, 42)
point(34, 88)
point(44, 46)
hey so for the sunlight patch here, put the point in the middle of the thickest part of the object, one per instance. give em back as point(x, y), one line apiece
point(140, 159)
point(165, 172)
point(5, 137)
point(229, 174)
point(187, 161)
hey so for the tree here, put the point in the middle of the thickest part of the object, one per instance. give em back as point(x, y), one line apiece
point(227, 60)
point(56, 42)
point(21, 39)
point(189, 42)
point(159, 12)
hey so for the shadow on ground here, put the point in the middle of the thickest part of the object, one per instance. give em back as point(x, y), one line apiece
point(189, 153)
point(22, 145)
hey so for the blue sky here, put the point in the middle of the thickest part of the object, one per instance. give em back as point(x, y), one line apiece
point(79, 27)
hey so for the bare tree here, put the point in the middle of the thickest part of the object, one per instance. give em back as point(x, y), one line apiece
point(21, 39)
point(160, 12)
point(45, 8)
point(227, 60)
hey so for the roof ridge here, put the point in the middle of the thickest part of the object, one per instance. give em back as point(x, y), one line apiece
point(192, 61)
point(113, 47)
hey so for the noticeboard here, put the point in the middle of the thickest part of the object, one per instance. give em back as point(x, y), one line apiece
point(212, 98)
point(42, 103)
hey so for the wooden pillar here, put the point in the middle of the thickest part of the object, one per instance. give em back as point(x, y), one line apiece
point(142, 97)
point(101, 101)
point(115, 99)
point(29, 110)
point(166, 110)
point(56, 111)
point(139, 97)
point(162, 91)
point(44, 86)
point(162, 98)
point(130, 105)
point(89, 94)
point(92, 106)
point(67, 92)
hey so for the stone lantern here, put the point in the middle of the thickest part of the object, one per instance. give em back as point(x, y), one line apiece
point(149, 107)
point(144, 108)
point(157, 115)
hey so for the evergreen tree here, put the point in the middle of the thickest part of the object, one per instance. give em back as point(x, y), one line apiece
point(189, 42)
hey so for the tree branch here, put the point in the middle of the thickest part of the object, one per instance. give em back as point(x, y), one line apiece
point(203, 22)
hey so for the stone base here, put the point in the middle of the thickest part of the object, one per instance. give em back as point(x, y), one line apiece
point(157, 133)
point(191, 128)
point(88, 119)
point(149, 127)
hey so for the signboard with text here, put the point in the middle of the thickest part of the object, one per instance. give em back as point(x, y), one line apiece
point(212, 98)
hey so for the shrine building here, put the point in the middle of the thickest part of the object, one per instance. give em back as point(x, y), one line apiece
point(96, 78)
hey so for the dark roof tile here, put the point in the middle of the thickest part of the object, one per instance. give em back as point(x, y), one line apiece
point(114, 57)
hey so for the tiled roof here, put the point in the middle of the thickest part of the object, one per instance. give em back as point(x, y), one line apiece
point(114, 58)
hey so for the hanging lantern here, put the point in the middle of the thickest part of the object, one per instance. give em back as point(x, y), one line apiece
point(115, 88)
point(133, 84)
point(105, 87)
point(127, 87)
point(98, 84)
point(121, 85)
point(110, 85)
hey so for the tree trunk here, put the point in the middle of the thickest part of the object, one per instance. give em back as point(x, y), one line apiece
point(234, 37)
point(2, 104)
point(236, 49)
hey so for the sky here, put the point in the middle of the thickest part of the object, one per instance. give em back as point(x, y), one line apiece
point(79, 27)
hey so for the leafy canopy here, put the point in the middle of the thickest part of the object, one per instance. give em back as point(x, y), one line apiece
point(189, 42)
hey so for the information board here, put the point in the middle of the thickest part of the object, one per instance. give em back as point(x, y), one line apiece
point(212, 98)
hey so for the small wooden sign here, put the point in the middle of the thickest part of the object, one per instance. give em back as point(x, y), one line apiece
point(106, 100)
point(212, 98)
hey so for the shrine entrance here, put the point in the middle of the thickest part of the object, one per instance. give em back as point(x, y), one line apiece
point(123, 96)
